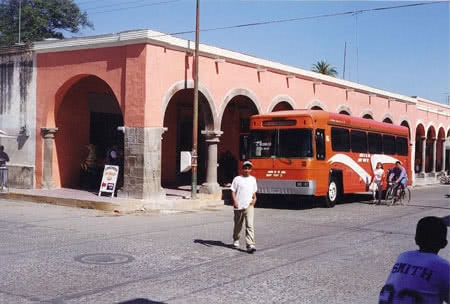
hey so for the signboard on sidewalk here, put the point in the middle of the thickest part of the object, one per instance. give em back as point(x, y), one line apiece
point(109, 180)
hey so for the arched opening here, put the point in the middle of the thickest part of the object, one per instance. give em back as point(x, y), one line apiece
point(367, 116)
point(235, 125)
point(388, 120)
point(178, 137)
point(420, 137)
point(447, 153)
point(343, 112)
point(87, 122)
point(282, 106)
point(431, 137)
point(406, 124)
point(440, 150)
point(316, 108)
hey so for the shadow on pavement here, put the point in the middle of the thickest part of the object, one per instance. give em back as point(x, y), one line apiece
point(141, 301)
point(210, 243)
point(293, 202)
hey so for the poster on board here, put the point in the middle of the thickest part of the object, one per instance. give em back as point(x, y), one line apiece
point(109, 180)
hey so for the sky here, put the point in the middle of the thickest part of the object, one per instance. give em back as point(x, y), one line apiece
point(404, 50)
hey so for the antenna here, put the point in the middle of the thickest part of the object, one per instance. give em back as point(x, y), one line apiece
point(345, 54)
point(357, 55)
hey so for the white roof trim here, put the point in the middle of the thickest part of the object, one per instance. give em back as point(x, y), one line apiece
point(433, 110)
point(153, 37)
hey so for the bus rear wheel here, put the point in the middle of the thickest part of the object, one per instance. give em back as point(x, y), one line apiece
point(332, 194)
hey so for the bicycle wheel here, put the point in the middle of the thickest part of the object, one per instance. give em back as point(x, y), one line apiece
point(390, 197)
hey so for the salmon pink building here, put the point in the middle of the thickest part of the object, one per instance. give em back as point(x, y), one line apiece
point(135, 89)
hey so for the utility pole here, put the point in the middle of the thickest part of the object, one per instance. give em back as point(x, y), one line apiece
point(20, 17)
point(195, 108)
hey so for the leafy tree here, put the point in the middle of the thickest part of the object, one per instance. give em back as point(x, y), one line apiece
point(40, 19)
point(324, 67)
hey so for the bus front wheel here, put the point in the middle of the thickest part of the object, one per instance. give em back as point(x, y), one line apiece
point(332, 194)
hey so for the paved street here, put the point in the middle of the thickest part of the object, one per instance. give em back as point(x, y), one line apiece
point(53, 254)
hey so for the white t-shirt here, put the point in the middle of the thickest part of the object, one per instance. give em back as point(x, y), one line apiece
point(417, 275)
point(244, 187)
point(378, 175)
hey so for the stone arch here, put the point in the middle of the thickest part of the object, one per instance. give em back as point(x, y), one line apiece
point(238, 106)
point(430, 125)
point(344, 109)
point(316, 105)
point(387, 118)
point(62, 91)
point(89, 103)
point(405, 122)
point(189, 84)
point(440, 148)
point(419, 152)
point(178, 121)
point(233, 93)
point(431, 137)
point(281, 99)
point(367, 114)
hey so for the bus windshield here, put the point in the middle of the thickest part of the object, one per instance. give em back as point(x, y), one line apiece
point(290, 143)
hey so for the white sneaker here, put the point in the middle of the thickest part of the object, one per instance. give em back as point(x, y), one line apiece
point(236, 244)
point(251, 248)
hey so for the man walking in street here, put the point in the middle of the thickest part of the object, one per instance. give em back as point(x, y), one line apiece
point(243, 192)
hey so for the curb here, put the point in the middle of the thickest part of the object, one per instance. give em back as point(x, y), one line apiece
point(121, 205)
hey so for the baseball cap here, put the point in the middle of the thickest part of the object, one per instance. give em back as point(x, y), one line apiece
point(247, 163)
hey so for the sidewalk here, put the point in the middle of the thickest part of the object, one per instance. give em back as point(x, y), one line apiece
point(176, 199)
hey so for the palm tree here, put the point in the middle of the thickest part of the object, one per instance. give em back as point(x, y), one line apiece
point(325, 68)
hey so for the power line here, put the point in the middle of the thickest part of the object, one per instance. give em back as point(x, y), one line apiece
point(109, 5)
point(83, 2)
point(132, 7)
point(264, 22)
point(300, 18)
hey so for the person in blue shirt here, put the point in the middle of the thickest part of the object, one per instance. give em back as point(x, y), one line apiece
point(420, 276)
point(400, 175)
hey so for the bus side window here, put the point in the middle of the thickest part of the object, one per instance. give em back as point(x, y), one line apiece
point(320, 144)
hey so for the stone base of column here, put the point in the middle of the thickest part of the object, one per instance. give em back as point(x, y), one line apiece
point(48, 186)
point(142, 169)
point(210, 188)
point(139, 193)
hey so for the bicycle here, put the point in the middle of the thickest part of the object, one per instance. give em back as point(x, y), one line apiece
point(394, 194)
point(444, 179)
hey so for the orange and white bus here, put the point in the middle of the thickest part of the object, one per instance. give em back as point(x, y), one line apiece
point(322, 154)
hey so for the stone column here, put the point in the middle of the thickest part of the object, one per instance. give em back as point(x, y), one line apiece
point(412, 173)
point(424, 149)
point(433, 169)
point(142, 163)
point(49, 138)
point(443, 157)
point(211, 186)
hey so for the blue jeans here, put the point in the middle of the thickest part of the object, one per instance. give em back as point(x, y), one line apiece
point(3, 177)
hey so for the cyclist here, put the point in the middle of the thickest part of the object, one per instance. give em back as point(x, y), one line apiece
point(400, 176)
